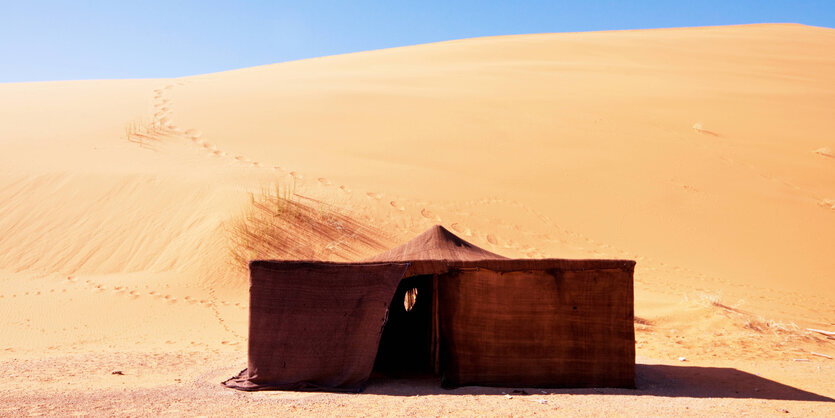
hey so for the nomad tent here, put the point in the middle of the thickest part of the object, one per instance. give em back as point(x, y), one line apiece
point(439, 304)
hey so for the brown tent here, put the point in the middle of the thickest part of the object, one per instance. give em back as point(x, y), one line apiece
point(440, 304)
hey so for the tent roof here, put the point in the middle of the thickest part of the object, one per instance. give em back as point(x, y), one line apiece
point(436, 243)
point(437, 250)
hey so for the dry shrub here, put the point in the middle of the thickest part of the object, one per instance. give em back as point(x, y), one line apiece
point(757, 324)
point(144, 132)
point(767, 325)
point(282, 225)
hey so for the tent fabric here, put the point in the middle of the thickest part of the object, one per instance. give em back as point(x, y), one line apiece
point(494, 321)
point(550, 327)
point(433, 251)
point(315, 325)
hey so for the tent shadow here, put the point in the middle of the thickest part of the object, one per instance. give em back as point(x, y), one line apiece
point(651, 380)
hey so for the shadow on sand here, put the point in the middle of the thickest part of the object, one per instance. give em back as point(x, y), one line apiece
point(651, 380)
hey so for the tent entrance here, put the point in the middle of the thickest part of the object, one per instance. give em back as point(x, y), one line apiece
point(407, 340)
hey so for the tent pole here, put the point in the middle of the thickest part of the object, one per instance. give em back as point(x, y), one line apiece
point(436, 332)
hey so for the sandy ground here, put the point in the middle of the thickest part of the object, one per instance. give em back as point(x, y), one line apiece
point(706, 154)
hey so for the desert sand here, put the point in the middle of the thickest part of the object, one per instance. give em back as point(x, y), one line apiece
point(127, 209)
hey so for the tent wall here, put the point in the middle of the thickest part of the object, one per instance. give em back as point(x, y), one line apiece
point(315, 325)
point(550, 327)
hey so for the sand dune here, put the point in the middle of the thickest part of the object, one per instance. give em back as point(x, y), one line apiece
point(703, 153)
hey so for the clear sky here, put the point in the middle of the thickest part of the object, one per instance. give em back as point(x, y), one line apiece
point(67, 40)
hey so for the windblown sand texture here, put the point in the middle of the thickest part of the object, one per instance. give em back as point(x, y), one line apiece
point(127, 207)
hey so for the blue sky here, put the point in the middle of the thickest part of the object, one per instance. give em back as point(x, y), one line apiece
point(68, 40)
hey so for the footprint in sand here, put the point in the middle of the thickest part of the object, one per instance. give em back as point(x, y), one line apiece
point(323, 181)
point(426, 213)
point(193, 133)
point(492, 239)
point(373, 195)
point(295, 175)
point(344, 189)
point(256, 164)
point(396, 206)
point(827, 203)
point(277, 168)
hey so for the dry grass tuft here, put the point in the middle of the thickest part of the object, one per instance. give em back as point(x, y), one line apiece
point(765, 325)
point(757, 324)
point(716, 302)
point(144, 132)
point(282, 225)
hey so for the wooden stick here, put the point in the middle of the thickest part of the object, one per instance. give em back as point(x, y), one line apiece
point(819, 354)
point(832, 333)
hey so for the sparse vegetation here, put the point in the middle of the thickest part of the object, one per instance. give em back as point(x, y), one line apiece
point(790, 331)
point(144, 132)
point(283, 225)
point(715, 300)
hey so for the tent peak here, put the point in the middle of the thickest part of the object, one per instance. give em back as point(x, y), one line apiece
point(444, 234)
point(439, 244)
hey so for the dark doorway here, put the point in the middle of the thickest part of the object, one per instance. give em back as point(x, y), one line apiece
point(406, 344)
